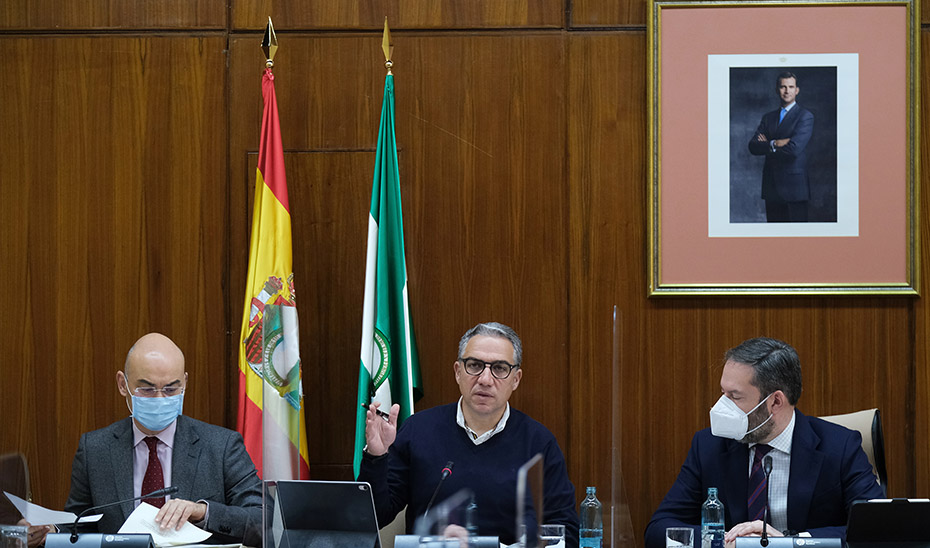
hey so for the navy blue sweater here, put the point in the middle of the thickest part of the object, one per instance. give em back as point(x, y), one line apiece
point(429, 439)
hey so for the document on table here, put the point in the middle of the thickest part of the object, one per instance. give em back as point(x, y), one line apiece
point(142, 520)
point(37, 515)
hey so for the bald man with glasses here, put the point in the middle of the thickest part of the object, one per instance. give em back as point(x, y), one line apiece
point(158, 447)
point(485, 438)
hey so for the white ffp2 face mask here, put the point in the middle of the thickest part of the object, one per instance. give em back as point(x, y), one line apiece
point(727, 420)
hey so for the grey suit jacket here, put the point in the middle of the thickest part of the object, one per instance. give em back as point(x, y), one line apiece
point(208, 463)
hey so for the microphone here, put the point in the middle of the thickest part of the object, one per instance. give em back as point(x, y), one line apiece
point(767, 470)
point(153, 495)
point(446, 472)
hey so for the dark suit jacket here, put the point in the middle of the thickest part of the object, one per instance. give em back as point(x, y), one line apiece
point(784, 175)
point(828, 472)
point(208, 463)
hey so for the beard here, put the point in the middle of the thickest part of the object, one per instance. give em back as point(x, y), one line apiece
point(756, 418)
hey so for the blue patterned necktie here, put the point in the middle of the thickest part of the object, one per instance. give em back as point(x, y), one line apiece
point(781, 115)
point(758, 484)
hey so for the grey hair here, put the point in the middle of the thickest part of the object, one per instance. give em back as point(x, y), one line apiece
point(494, 329)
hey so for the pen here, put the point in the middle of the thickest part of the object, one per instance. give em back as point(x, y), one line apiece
point(380, 413)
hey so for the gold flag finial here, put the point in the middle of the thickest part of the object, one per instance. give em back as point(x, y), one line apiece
point(269, 44)
point(387, 46)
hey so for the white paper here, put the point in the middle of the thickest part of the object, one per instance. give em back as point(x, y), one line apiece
point(37, 515)
point(142, 520)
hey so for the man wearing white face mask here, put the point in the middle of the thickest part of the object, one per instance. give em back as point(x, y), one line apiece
point(157, 447)
point(818, 468)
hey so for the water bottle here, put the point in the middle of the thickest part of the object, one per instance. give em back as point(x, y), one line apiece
point(471, 518)
point(592, 521)
point(712, 528)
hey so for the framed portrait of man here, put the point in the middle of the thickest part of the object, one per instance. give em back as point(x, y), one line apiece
point(782, 147)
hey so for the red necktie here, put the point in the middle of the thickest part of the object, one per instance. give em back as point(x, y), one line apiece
point(154, 478)
point(758, 483)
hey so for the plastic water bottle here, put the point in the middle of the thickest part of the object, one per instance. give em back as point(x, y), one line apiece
point(712, 528)
point(592, 521)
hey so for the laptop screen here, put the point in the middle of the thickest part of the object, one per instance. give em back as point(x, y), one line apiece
point(888, 520)
point(319, 513)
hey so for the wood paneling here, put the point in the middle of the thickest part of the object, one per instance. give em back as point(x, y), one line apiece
point(111, 220)
point(112, 14)
point(401, 14)
point(597, 13)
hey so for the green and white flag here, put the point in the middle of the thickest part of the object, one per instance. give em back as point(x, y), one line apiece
point(390, 370)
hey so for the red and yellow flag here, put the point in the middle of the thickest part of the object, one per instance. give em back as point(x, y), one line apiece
point(271, 403)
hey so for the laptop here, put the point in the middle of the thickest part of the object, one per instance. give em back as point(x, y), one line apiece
point(904, 523)
point(311, 514)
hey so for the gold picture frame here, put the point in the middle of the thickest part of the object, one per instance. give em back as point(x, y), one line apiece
point(849, 178)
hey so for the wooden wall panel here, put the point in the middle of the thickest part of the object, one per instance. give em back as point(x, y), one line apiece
point(485, 207)
point(113, 208)
point(598, 13)
point(401, 14)
point(606, 170)
point(112, 14)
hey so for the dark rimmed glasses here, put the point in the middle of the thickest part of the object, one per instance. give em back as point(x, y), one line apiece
point(499, 369)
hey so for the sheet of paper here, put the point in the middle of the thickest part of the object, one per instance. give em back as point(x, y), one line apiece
point(37, 515)
point(142, 520)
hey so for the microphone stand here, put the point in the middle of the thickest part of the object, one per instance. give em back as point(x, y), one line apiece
point(153, 495)
point(446, 472)
point(767, 469)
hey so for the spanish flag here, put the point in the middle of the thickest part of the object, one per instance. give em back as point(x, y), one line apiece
point(271, 404)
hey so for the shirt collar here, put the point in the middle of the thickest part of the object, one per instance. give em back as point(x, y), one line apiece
point(782, 442)
point(472, 435)
point(789, 107)
point(166, 436)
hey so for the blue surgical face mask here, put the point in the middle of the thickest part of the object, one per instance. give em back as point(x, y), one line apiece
point(156, 414)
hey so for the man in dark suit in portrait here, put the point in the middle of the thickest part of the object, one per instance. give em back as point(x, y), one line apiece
point(817, 468)
point(782, 138)
point(218, 488)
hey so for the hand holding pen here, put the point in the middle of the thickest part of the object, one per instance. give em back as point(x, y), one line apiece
point(380, 434)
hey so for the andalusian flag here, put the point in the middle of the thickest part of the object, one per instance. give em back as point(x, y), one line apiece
point(389, 372)
point(271, 411)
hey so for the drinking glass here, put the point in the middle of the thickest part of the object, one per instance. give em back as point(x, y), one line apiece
point(551, 535)
point(678, 537)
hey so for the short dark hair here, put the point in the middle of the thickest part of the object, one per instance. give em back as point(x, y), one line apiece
point(775, 366)
point(494, 329)
point(787, 74)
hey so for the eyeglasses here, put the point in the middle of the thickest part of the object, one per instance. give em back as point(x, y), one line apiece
point(499, 369)
point(151, 391)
